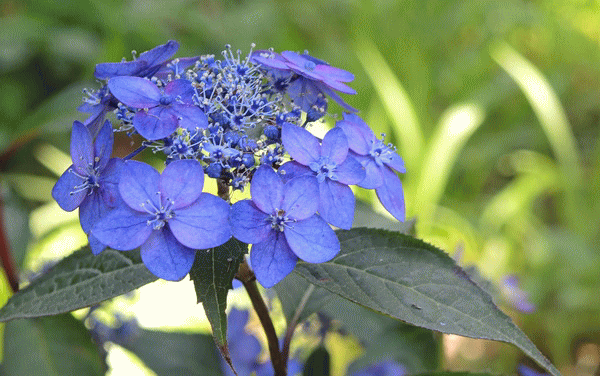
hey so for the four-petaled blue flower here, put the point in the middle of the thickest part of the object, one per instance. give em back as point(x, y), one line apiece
point(90, 183)
point(167, 215)
point(160, 113)
point(281, 224)
point(331, 165)
point(379, 160)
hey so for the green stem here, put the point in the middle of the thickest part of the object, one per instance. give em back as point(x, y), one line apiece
point(289, 333)
point(246, 275)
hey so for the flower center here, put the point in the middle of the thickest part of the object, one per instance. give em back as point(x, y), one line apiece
point(161, 215)
point(91, 180)
point(279, 220)
point(324, 168)
point(381, 152)
point(165, 100)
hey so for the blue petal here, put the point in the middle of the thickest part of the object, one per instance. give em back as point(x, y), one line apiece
point(292, 169)
point(269, 59)
point(62, 190)
point(92, 209)
point(95, 245)
point(190, 116)
point(359, 135)
point(350, 171)
point(266, 189)
point(312, 240)
point(299, 63)
point(182, 90)
point(336, 204)
point(135, 92)
point(204, 224)
point(304, 93)
point(82, 148)
point(158, 55)
point(335, 145)
point(334, 74)
point(123, 229)
point(109, 182)
point(391, 195)
point(373, 173)
point(301, 197)
point(236, 322)
point(158, 122)
point(325, 89)
point(104, 144)
point(139, 185)
point(272, 259)
point(248, 223)
point(300, 144)
point(126, 68)
point(165, 257)
point(396, 162)
point(182, 182)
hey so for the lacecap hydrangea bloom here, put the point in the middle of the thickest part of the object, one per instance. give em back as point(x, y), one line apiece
point(242, 120)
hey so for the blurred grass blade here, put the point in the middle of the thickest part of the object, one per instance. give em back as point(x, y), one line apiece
point(395, 100)
point(456, 126)
point(547, 107)
point(5, 293)
point(537, 174)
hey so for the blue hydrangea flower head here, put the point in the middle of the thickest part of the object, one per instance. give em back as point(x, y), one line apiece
point(244, 348)
point(380, 160)
point(166, 215)
point(159, 113)
point(330, 164)
point(281, 224)
point(145, 65)
point(90, 183)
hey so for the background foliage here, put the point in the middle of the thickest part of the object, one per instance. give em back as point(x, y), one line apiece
point(493, 105)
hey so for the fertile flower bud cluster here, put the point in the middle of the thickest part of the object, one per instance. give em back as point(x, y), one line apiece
point(243, 121)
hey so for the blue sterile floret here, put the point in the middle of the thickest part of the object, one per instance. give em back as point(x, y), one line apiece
point(90, 183)
point(331, 166)
point(384, 368)
point(282, 225)
point(380, 160)
point(167, 215)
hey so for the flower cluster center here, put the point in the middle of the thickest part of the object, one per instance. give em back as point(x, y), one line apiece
point(279, 220)
point(324, 168)
point(162, 214)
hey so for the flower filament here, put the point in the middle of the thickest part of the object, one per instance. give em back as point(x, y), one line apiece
point(279, 220)
point(161, 214)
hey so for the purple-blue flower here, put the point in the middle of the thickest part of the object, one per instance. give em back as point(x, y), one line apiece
point(330, 164)
point(159, 113)
point(281, 224)
point(166, 215)
point(145, 65)
point(90, 183)
point(315, 76)
point(380, 161)
point(385, 368)
point(515, 295)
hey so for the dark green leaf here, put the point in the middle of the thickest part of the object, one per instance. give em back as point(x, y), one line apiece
point(385, 338)
point(79, 280)
point(412, 281)
point(299, 298)
point(212, 273)
point(177, 354)
point(318, 363)
point(50, 346)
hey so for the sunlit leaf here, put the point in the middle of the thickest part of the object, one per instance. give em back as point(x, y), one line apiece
point(412, 281)
point(299, 298)
point(79, 280)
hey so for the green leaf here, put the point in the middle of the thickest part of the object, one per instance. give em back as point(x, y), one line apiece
point(176, 354)
point(385, 338)
point(318, 363)
point(50, 346)
point(412, 281)
point(212, 273)
point(79, 280)
point(299, 298)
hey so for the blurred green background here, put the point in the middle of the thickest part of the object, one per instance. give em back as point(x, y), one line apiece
point(495, 107)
